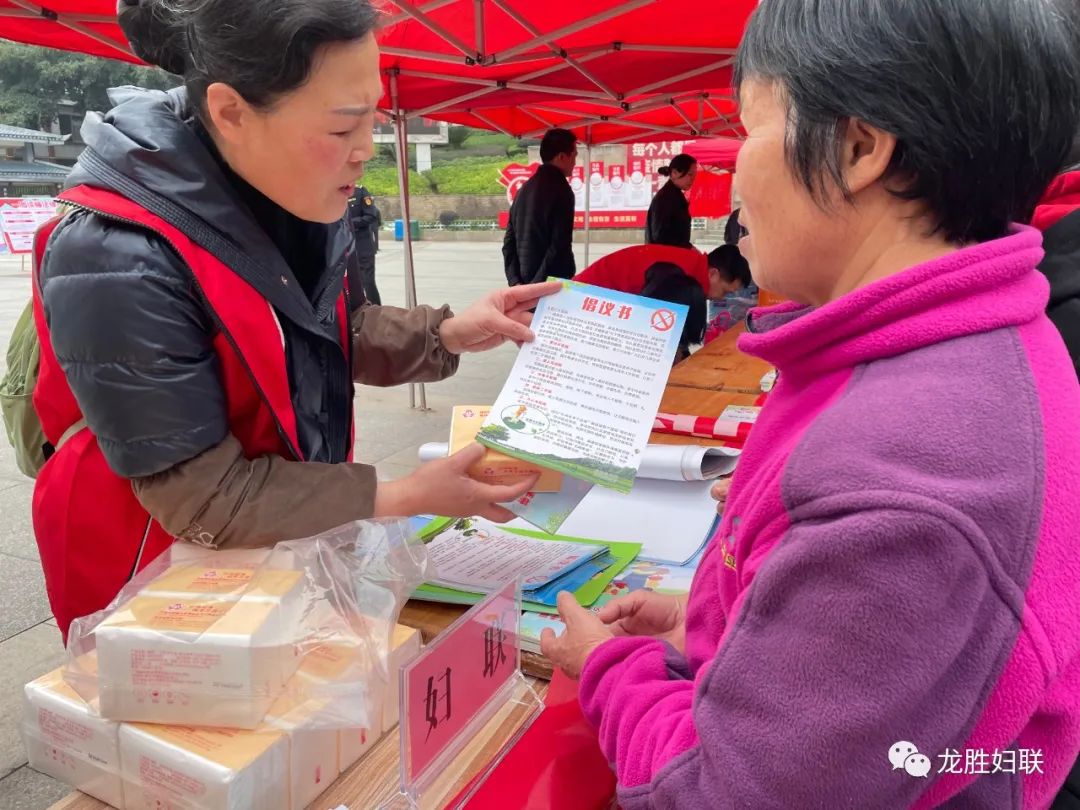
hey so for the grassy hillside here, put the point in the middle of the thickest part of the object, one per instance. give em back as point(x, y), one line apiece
point(469, 164)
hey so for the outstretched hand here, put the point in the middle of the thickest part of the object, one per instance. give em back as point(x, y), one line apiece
point(494, 319)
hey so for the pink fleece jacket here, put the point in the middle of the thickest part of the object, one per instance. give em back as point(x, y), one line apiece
point(899, 561)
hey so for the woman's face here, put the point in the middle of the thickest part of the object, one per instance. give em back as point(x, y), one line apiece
point(307, 151)
point(684, 181)
point(790, 238)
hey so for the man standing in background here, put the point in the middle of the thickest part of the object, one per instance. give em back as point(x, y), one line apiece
point(364, 219)
point(540, 234)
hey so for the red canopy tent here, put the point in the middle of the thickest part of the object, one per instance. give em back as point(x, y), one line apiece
point(613, 71)
point(84, 26)
point(716, 153)
point(711, 195)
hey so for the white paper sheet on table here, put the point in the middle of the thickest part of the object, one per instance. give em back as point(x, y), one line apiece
point(671, 519)
point(669, 510)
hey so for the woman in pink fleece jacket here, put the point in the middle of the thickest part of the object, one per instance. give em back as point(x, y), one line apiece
point(889, 613)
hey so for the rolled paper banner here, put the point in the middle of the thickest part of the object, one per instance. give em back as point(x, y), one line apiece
point(703, 427)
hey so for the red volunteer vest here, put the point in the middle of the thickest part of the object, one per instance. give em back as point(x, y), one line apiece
point(92, 533)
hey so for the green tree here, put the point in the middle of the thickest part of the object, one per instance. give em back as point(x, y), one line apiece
point(497, 433)
point(34, 80)
point(458, 135)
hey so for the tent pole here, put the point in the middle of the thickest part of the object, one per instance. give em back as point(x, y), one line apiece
point(588, 190)
point(435, 28)
point(402, 137)
point(581, 25)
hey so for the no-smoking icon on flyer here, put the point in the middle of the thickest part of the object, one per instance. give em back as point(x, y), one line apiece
point(663, 320)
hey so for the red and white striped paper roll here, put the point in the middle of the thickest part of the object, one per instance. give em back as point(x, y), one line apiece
point(730, 431)
point(702, 427)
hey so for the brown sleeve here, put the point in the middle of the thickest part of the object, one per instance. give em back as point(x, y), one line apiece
point(392, 345)
point(221, 499)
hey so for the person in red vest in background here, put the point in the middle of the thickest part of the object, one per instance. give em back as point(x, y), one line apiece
point(625, 270)
point(197, 349)
point(1058, 217)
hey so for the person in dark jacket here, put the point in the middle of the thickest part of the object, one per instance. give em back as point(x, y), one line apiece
point(733, 231)
point(1058, 217)
point(665, 281)
point(364, 219)
point(249, 167)
point(540, 235)
point(668, 221)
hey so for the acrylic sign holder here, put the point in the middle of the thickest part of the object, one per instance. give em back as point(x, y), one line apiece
point(464, 703)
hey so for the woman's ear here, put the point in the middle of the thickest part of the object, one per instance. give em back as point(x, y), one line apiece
point(228, 111)
point(867, 153)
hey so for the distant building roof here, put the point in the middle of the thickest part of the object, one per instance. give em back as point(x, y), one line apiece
point(20, 171)
point(23, 135)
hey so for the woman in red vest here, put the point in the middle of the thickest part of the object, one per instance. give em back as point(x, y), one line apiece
point(199, 343)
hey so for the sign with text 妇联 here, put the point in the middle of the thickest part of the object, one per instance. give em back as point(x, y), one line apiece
point(449, 688)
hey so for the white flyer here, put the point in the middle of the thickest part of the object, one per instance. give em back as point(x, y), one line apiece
point(581, 398)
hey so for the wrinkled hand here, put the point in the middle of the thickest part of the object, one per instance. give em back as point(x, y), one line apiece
point(444, 487)
point(645, 613)
point(584, 633)
point(495, 319)
point(719, 493)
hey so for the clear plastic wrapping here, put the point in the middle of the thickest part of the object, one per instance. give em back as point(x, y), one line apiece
point(287, 762)
point(297, 634)
point(66, 740)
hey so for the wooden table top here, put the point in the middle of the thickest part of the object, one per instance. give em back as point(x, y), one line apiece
point(720, 366)
point(708, 381)
point(711, 379)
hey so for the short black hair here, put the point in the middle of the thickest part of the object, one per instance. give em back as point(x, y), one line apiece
point(665, 281)
point(556, 142)
point(983, 97)
point(732, 264)
point(263, 49)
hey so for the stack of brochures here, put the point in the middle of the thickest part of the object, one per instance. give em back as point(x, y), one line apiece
point(474, 557)
point(641, 575)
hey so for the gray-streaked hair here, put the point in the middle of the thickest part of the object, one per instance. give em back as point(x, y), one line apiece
point(983, 97)
point(263, 49)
